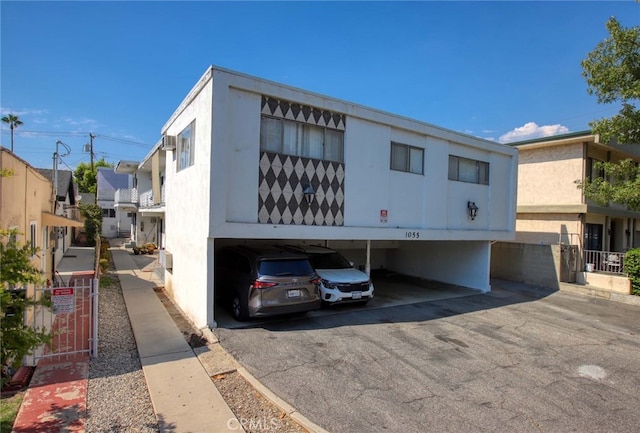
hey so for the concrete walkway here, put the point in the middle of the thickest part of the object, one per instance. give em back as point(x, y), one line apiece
point(183, 395)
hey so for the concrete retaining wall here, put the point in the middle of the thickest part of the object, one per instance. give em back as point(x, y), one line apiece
point(609, 282)
point(529, 263)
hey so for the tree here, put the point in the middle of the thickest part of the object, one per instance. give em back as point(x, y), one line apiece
point(16, 271)
point(92, 214)
point(13, 122)
point(612, 72)
point(86, 179)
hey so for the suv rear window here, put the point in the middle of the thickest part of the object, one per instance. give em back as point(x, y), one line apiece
point(281, 268)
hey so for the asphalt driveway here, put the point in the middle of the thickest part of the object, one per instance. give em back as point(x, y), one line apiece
point(525, 360)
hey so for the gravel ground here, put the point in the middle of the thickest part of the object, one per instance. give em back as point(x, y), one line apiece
point(255, 413)
point(118, 399)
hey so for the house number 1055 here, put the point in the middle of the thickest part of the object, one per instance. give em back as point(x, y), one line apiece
point(412, 235)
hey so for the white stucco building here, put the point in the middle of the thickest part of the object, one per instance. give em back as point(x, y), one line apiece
point(144, 197)
point(389, 192)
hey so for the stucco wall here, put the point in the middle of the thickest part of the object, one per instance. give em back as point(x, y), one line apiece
point(546, 175)
point(462, 263)
point(532, 264)
point(187, 195)
point(25, 194)
point(412, 201)
point(549, 229)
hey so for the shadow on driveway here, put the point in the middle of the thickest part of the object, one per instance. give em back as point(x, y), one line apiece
point(392, 293)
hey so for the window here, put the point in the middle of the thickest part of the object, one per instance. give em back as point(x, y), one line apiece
point(468, 170)
point(33, 238)
point(301, 139)
point(592, 172)
point(186, 144)
point(593, 237)
point(407, 158)
point(12, 236)
point(108, 213)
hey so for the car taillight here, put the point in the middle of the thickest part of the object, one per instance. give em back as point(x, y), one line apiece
point(257, 284)
point(316, 281)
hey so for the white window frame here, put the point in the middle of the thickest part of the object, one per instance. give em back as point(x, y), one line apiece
point(185, 146)
point(300, 139)
point(481, 169)
point(406, 163)
point(14, 237)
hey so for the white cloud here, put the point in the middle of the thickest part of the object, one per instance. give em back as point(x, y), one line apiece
point(532, 130)
point(26, 111)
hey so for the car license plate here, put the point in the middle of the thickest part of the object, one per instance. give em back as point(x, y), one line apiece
point(356, 295)
point(293, 293)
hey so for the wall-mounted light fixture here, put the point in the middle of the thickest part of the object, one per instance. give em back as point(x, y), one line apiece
point(610, 232)
point(472, 209)
point(309, 193)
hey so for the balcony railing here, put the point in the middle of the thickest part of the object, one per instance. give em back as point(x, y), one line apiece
point(147, 200)
point(126, 196)
point(604, 261)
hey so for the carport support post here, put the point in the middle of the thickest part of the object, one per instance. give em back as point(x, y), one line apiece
point(367, 266)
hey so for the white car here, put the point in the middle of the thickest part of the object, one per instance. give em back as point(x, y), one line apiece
point(341, 282)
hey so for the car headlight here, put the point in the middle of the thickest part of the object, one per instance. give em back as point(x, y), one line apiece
point(329, 285)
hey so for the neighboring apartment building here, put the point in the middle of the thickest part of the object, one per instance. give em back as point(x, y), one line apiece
point(27, 204)
point(552, 210)
point(258, 161)
point(143, 199)
point(115, 222)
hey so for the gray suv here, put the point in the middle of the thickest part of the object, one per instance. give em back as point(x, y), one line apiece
point(256, 282)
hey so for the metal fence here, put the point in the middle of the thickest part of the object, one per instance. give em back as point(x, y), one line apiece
point(70, 313)
point(604, 261)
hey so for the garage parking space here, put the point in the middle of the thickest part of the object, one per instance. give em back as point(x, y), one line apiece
point(390, 290)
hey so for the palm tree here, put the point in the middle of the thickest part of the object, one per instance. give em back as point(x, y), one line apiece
point(13, 122)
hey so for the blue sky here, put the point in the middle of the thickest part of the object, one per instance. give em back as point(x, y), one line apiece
point(504, 71)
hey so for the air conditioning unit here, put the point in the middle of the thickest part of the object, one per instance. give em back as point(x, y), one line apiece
point(165, 259)
point(168, 142)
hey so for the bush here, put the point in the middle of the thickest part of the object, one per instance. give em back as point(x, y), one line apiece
point(632, 268)
point(104, 265)
point(16, 271)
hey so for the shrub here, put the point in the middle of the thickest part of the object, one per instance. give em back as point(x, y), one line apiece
point(16, 271)
point(104, 265)
point(632, 268)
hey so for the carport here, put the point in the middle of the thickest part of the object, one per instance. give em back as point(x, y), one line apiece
point(403, 272)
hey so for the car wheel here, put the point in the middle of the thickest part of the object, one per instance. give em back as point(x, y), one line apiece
point(239, 308)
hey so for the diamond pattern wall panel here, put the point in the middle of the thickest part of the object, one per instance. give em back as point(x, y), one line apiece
point(302, 113)
point(281, 182)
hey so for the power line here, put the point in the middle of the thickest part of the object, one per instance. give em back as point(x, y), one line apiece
point(123, 140)
point(23, 132)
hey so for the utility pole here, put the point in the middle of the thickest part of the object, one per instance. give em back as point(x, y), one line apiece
point(91, 137)
point(90, 147)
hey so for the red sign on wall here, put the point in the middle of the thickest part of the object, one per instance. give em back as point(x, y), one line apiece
point(383, 215)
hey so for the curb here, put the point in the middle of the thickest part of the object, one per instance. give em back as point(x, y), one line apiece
point(601, 294)
point(280, 403)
